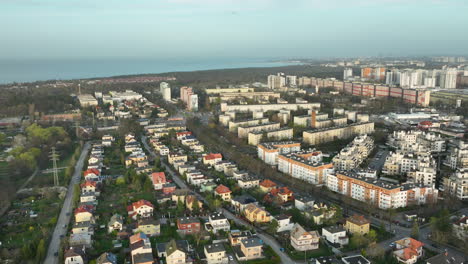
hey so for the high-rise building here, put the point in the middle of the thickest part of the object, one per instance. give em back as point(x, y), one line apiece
point(347, 73)
point(165, 90)
point(276, 81)
point(189, 98)
point(448, 79)
point(291, 80)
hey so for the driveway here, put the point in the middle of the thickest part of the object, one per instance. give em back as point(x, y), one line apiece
point(67, 207)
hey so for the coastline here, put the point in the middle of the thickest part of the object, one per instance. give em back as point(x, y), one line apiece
point(25, 71)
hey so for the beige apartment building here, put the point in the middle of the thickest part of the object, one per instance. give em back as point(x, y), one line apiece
point(319, 136)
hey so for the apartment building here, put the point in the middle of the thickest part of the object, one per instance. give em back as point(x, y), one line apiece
point(379, 193)
point(285, 133)
point(243, 131)
point(354, 153)
point(305, 165)
point(233, 125)
point(429, 141)
point(457, 184)
point(320, 136)
point(458, 157)
point(268, 152)
point(245, 108)
point(189, 98)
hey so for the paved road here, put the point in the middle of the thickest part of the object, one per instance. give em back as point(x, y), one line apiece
point(64, 219)
point(266, 238)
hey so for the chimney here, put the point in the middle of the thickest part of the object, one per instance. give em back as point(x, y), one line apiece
point(313, 119)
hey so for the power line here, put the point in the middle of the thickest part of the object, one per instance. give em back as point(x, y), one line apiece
point(54, 156)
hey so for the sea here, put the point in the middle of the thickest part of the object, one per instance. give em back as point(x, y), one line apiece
point(63, 69)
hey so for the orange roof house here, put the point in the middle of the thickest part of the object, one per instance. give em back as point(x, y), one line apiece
point(408, 250)
point(279, 195)
point(91, 171)
point(212, 158)
point(158, 179)
point(267, 185)
point(224, 192)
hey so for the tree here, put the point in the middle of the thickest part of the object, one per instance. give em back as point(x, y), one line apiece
point(272, 226)
point(40, 251)
point(415, 230)
point(374, 250)
point(195, 206)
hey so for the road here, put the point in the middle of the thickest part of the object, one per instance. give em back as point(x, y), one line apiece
point(64, 219)
point(266, 238)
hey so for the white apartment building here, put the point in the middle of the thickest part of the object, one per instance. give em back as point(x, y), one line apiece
point(268, 152)
point(457, 184)
point(379, 193)
point(458, 157)
point(306, 166)
point(354, 153)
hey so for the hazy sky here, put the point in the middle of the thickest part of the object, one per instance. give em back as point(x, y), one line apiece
point(250, 28)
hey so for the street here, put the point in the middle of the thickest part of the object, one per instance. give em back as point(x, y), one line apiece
point(67, 208)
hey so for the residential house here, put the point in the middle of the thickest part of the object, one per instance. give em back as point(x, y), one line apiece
point(447, 258)
point(248, 182)
point(279, 195)
point(241, 202)
point(84, 213)
point(88, 197)
point(284, 223)
point(158, 179)
point(235, 236)
point(141, 250)
point(115, 223)
point(223, 192)
point(216, 254)
point(253, 213)
point(335, 235)
point(173, 157)
point(216, 222)
point(141, 208)
point(80, 240)
point(408, 250)
point(92, 174)
point(182, 245)
point(180, 195)
point(190, 201)
point(267, 185)
point(303, 202)
point(357, 259)
point(89, 186)
point(150, 227)
point(250, 248)
point(74, 256)
point(321, 213)
point(83, 228)
point(211, 158)
point(357, 224)
point(460, 228)
point(169, 188)
point(326, 260)
point(174, 253)
point(106, 258)
point(302, 240)
point(188, 225)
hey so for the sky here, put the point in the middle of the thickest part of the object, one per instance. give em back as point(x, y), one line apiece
point(65, 29)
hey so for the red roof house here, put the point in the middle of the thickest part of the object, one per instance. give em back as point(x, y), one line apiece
point(159, 179)
point(141, 208)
